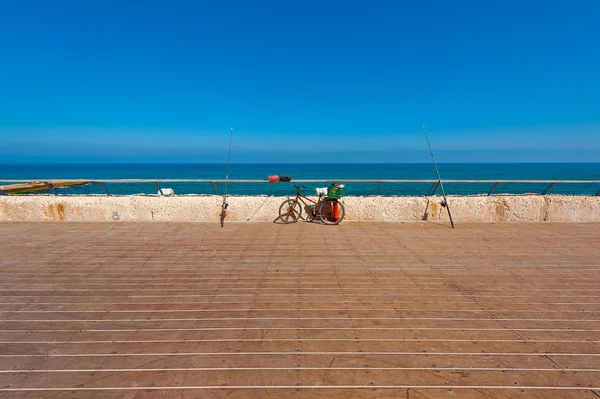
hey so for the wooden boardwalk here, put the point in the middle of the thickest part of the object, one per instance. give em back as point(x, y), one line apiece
point(359, 310)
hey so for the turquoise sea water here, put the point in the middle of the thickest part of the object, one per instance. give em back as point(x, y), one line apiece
point(340, 172)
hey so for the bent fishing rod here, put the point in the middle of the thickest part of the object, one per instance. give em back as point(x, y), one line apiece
point(225, 204)
point(445, 202)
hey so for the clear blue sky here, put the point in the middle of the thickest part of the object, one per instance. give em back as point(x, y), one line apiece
point(305, 81)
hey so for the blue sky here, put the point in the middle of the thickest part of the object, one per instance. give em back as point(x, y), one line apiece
point(311, 81)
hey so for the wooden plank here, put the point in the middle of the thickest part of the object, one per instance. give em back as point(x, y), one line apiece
point(382, 310)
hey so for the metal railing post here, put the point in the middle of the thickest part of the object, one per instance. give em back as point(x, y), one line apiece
point(159, 189)
point(271, 188)
point(379, 188)
point(548, 188)
point(431, 189)
point(434, 188)
point(103, 188)
point(493, 188)
point(49, 187)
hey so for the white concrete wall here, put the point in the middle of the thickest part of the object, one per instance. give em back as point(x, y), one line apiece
point(530, 208)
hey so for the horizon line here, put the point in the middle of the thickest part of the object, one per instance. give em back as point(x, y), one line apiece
point(283, 163)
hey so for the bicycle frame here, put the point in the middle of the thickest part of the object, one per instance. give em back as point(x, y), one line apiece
point(302, 198)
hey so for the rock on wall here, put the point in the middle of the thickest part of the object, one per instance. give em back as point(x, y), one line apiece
point(526, 208)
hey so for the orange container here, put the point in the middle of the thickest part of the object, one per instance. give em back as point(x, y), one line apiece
point(273, 179)
point(336, 211)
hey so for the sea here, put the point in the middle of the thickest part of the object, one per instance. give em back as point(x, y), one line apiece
point(335, 172)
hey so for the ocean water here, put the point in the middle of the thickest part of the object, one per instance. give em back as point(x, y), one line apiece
point(338, 172)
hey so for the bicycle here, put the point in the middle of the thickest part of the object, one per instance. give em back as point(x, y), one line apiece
point(329, 210)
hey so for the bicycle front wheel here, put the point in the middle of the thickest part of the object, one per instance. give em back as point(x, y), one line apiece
point(331, 212)
point(290, 211)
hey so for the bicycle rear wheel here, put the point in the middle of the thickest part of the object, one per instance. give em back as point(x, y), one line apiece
point(331, 212)
point(290, 211)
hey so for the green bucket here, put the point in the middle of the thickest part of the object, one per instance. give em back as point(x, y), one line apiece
point(335, 191)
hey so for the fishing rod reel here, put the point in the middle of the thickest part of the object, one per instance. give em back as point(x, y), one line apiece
point(224, 206)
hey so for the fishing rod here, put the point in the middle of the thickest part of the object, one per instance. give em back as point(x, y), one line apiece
point(445, 202)
point(225, 204)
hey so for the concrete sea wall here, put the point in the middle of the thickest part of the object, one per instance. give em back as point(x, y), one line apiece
point(525, 208)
